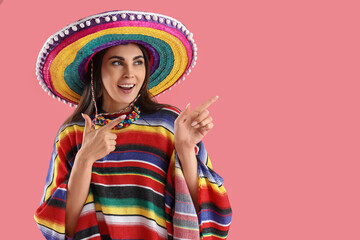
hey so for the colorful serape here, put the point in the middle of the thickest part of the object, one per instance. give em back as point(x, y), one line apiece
point(138, 191)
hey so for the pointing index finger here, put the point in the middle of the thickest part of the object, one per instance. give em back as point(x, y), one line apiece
point(206, 104)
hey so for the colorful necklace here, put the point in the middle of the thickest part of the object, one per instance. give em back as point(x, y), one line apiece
point(132, 117)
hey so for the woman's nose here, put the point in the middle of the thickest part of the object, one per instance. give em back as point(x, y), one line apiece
point(128, 72)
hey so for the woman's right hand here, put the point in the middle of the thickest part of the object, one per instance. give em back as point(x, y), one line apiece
point(97, 143)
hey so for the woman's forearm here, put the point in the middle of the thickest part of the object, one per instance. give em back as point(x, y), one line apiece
point(77, 192)
point(189, 166)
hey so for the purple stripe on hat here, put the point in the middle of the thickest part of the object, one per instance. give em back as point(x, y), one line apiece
point(110, 44)
point(154, 58)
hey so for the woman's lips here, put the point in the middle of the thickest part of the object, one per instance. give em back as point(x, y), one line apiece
point(126, 88)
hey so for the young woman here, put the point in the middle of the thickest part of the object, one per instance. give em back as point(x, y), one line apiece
point(124, 166)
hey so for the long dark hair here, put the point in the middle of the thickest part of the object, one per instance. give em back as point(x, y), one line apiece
point(146, 102)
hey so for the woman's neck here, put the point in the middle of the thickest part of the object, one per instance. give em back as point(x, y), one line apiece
point(111, 109)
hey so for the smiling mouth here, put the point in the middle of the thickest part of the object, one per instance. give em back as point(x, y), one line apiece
point(126, 86)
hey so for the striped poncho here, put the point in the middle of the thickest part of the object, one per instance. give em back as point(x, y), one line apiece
point(137, 191)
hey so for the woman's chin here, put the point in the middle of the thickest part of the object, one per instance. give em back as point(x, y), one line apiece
point(118, 103)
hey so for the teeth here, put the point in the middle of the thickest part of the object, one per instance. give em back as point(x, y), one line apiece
point(127, 86)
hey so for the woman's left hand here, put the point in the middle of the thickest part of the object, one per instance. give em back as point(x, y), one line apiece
point(192, 126)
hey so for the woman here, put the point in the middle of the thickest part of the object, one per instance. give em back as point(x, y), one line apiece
point(124, 166)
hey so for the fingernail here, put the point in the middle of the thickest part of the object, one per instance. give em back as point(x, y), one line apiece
point(197, 126)
point(82, 115)
point(194, 123)
point(187, 105)
point(123, 116)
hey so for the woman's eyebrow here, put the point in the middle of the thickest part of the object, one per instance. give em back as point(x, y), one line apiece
point(123, 59)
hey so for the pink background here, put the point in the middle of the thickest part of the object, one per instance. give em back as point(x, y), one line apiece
point(287, 124)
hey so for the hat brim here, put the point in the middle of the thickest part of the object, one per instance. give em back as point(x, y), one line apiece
point(64, 58)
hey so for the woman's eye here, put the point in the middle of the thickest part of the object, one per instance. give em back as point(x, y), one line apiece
point(116, 63)
point(139, 62)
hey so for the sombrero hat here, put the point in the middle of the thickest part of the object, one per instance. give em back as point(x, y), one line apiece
point(63, 60)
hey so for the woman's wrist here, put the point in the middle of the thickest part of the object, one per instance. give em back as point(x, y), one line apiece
point(83, 159)
point(184, 150)
point(186, 154)
point(183, 146)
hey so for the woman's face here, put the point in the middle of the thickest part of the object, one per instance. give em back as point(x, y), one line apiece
point(122, 72)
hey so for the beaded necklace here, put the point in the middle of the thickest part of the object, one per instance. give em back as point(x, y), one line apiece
point(99, 117)
point(132, 117)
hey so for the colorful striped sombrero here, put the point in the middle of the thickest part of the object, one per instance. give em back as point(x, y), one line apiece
point(64, 58)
